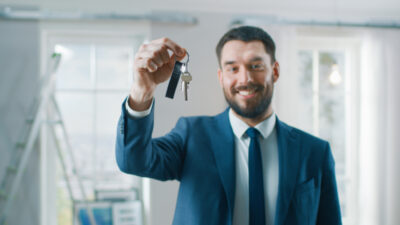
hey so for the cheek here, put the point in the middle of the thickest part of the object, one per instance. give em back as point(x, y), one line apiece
point(228, 83)
point(268, 79)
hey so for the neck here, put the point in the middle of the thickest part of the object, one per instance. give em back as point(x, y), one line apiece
point(252, 122)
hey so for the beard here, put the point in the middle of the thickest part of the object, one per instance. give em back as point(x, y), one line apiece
point(257, 106)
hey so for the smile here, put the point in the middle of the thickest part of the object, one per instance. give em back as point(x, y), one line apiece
point(247, 93)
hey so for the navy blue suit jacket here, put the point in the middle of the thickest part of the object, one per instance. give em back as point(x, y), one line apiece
point(199, 152)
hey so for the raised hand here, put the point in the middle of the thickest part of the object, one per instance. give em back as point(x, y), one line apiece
point(153, 65)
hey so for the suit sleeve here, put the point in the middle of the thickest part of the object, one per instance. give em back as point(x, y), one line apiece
point(139, 154)
point(329, 207)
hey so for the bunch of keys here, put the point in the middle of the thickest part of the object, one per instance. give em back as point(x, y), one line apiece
point(180, 70)
point(185, 77)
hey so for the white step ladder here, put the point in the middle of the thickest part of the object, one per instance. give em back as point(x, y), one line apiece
point(23, 149)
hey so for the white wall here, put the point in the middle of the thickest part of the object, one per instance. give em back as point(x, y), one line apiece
point(19, 66)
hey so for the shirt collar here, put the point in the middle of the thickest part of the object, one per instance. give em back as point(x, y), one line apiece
point(239, 127)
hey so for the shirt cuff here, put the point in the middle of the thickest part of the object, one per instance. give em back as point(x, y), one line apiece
point(138, 114)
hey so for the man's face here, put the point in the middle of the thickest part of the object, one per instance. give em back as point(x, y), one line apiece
point(247, 77)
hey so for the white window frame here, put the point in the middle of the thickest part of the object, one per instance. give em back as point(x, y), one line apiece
point(78, 32)
point(351, 47)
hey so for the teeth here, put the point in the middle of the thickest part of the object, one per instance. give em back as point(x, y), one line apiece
point(245, 93)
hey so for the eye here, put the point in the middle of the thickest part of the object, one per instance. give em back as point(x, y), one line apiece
point(232, 69)
point(257, 66)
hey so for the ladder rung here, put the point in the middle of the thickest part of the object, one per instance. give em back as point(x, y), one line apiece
point(11, 169)
point(3, 194)
point(54, 121)
point(30, 120)
point(20, 145)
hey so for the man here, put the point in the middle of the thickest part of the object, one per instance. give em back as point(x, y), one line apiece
point(243, 166)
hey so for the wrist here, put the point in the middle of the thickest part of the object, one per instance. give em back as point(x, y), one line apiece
point(140, 98)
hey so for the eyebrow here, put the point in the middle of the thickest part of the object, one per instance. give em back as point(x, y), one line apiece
point(257, 58)
point(229, 63)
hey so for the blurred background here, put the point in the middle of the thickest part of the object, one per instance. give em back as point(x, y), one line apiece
point(66, 67)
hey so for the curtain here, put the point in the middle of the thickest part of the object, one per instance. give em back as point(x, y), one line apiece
point(380, 127)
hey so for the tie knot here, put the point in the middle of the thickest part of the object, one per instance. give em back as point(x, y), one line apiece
point(252, 132)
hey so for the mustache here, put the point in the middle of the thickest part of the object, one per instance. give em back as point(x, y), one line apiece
point(249, 86)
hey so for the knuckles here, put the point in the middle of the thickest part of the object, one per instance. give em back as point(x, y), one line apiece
point(148, 61)
point(143, 47)
point(164, 40)
point(154, 52)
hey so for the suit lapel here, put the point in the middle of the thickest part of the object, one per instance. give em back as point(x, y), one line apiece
point(289, 155)
point(223, 148)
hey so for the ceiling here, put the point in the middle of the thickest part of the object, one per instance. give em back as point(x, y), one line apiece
point(373, 9)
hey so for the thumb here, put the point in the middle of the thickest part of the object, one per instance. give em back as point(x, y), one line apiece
point(172, 59)
point(182, 55)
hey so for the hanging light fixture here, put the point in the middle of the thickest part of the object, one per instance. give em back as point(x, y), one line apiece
point(334, 77)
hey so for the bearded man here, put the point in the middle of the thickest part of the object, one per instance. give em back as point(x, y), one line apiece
point(241, 167)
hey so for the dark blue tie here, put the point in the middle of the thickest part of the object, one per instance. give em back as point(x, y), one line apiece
point(256, 183)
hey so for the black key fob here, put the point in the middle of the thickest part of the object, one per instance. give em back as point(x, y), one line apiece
point(173, 81)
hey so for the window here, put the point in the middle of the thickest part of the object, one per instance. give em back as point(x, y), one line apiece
point(326, 78)
point(92, 80)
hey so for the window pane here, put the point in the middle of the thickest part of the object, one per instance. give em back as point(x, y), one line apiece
point(112, 67)
point(332, 103)
point(77, 111)
point(74, 68)
point(305, 81)
point(341, 185)
point(108, 107)
point(92, 82)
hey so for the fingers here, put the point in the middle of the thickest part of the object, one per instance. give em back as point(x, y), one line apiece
point(180, 57)
point(156, 54)
point(175, 48)
point(146, 64)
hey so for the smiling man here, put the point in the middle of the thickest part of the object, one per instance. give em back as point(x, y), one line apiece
point(241, 167)
point(247, 76)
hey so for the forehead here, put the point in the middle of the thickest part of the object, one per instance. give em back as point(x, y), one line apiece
point(236, 50)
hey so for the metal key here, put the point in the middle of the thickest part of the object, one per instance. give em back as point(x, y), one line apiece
point(186, 78)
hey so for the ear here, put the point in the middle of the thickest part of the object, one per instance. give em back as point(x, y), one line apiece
point(220, 76)
point(276, 71)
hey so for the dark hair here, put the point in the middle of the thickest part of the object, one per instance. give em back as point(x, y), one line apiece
point(247, 34)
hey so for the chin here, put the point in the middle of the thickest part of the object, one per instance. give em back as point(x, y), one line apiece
point(248, 112)
point(253, 108)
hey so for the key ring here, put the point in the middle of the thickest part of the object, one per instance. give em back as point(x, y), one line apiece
point(185, 64)
point(187, 61)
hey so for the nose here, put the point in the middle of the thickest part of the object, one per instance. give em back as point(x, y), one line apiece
point(244, 75)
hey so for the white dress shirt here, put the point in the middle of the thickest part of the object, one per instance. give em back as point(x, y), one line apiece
point(269, 154)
